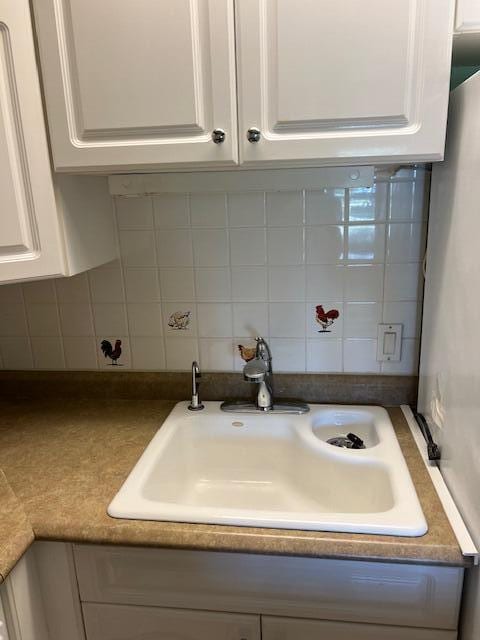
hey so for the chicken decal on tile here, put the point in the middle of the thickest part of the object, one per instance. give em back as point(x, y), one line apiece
point(113, 353)
point(325, 318)
point(180, 320)
point(246, 353)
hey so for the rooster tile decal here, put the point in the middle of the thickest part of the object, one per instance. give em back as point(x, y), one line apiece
point(113, 353)
point(325, 318)
point(180, 320)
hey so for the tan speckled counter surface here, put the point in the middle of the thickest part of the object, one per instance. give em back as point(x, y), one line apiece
point(65, 460)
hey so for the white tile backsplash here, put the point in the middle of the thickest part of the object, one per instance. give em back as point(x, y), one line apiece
point(201, 273)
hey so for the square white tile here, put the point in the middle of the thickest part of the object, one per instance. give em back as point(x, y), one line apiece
point(144, 319)
point(147, 353)
point(73, 289)
point(106, 285)
point(137, 248)
point(39, 291)
point(43, 320)
point(248, 247)
point(174, 248)
point(250, 319)
point(286, 284)
point(324, 356)
point(208, 209)
point(210, 247)
point(364, 283)
point(133, 212)
point(285, 208)
point(408, 363)
point(249, 284)
point(80, 353)
point(16, 353)
point(325, 282)
point(362, 319)
point(142, 285)
point(246, 209)
point(406, 313)
point(408, 201)
point(110, 319)
point(368, 204)
point(286, 246)
point(13, 320)
point(212, 284)
point(214, 320)
point(403, 281)
point(287, 319)
point(181, 353)
point(325, 206)
point(171, 211)
point(11, 294)
point(324, 327)
point(366, 243)
point(288, 354)
point(177, 284)
point(76, 320)
point(216, 354)
point(48, 353)
point(324, 245)
point(360, 356)
point(406, 242)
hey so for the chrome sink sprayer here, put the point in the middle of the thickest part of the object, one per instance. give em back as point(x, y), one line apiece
point(259, 371)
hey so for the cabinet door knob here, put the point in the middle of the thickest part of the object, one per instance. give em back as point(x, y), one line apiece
point(218, 136)
point(253, 134)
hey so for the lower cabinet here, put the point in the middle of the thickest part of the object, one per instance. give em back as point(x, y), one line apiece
point(128, 593)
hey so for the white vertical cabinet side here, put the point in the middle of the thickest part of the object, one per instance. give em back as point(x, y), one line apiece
point(23, 602)
point(467, 17)
point(291, 629)
point(339, 82)
point(30, 236)
point(135, 87)
point(117, 622)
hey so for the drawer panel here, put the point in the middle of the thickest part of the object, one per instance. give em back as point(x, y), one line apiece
point(384, 593)
point(290, 629)
point(123, 622)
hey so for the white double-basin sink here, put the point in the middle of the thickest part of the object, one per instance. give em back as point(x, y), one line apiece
point(273, 470)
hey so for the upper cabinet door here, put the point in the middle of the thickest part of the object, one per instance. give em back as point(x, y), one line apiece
point(138, 83)
point(343, 81)
point(30, 241)
point(467, 17)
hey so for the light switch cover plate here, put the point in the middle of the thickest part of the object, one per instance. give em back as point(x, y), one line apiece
point(389, 343)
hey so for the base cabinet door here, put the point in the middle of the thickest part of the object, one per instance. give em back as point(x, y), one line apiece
point(138, 84)
point(293, 629)
point(120, 622)
point(335, 82)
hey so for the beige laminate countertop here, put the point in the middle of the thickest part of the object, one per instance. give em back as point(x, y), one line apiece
point(64, 460)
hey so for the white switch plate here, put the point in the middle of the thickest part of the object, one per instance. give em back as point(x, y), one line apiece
point(389, 342)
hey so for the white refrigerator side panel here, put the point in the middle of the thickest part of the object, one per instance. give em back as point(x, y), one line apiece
point(449, 393)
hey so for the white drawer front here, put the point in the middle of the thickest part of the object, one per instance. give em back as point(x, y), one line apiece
point(289, 629)
point(383, 593)
point(120, 622)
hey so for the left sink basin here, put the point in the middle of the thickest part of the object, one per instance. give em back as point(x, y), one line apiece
point(277, 471)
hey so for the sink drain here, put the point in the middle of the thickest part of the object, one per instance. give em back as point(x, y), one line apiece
point(350, 441)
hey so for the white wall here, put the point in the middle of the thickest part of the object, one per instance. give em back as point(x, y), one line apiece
point(241, 263)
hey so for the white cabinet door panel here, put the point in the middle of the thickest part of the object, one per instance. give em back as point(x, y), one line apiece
point(291, 629)
point(138, 83)
point(30, 240)
point(467, 17)
point(116, 622)
point(343, 81)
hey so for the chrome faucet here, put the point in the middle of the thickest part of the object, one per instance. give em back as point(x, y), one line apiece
point(259, 371)
point(196, 404)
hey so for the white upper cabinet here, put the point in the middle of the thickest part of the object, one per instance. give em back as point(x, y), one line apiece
point(47, 227)
point(142, 85)
point(467, 18)
point(339, 82)
point(136, 84)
